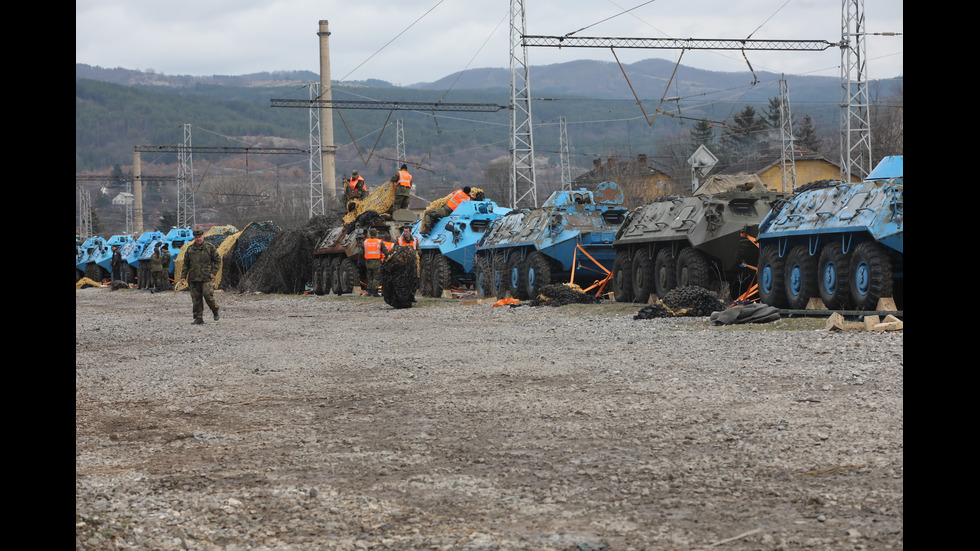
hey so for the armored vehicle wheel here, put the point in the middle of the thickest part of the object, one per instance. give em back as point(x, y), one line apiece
point(801, 277)
point(442, 275)
point(78, 274)
point(871, 275)
point(833, 277)
point(623, 277)
point(127, 273)
point(643, 278)
point(484, 279)
point(335, 287)
point(665, 272)
point(95, 272)
point(695, 270)
point(318, 276)
point(770, 274)
point(515, 276)
point(144, 278)
point(537, 274)
point(425, 275)
point(499, 267)
point(347, 276)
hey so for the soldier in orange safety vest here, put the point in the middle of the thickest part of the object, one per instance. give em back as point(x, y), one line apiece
point(403, 188)
point(406, 239)
point(433, 215)
point(374, 252)
point(355, 188)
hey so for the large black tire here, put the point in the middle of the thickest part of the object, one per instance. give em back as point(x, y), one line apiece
point(770, 275)
point(78, 275)
point(665, 272)
point(127, 273)
point(515, 276)
point(442, 275)
point(801, 277)
point(623, 277)
point(425, 274)
point(335, 286)
point(95, 272)
point(144, 276)
point(644, 281)
point(318, 283)
point(871, 275)
point(348, 276)
point(694, 269)
point(485, 287)
point(499, 267)
point(834, 276)
point(537, 274)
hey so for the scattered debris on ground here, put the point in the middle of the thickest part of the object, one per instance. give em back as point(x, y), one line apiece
point(560, 294)
point(745, 313)
point(682, 302)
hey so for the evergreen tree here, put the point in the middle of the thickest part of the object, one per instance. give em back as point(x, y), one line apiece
point(702, 134)
point(742, 136)
point(806, 136)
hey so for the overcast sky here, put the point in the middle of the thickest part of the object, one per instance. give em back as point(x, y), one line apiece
point(410, 41)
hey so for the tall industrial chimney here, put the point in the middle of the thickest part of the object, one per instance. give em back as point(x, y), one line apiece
point(327, 149)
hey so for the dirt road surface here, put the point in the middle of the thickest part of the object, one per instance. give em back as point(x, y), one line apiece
point(306, 422)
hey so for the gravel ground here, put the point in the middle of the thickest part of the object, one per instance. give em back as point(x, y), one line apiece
point(306, 422)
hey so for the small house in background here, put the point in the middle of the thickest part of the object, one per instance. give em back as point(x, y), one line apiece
point(768, 166)
point(640, 182)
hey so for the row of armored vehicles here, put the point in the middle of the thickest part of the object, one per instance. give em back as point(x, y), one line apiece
point(841, 242)
point(93, 257)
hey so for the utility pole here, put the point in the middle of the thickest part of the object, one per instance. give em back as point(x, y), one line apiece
point(566, 168)
point(788, 155)
point(522, 181)
point(400, 156)
point(316, 159)
point(185, 172)
point(855, 127)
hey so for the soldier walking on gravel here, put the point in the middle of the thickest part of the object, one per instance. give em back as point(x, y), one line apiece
point(200, 266)
point(374, 252)
point(165, 260)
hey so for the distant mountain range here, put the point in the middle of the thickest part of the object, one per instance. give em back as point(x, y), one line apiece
point(583, 78)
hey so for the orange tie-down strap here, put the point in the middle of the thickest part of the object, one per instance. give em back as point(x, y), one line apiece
point(600, 284)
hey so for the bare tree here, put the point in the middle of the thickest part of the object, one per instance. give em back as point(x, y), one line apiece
point(238, 200)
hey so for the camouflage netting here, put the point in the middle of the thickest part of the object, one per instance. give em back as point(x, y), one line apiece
point(380, 201)
point(400, 277)
point(365, 219)
point(287, 263)
point(560, 294)
point(682, 302)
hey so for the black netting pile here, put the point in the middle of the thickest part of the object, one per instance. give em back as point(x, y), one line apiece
point(286, 264)
point(682, 302)
point(560, 294)
point(400, 277)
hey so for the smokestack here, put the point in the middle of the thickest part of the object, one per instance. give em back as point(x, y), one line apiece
point(328, 151)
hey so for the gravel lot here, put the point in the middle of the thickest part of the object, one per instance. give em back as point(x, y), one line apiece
point(306, 422)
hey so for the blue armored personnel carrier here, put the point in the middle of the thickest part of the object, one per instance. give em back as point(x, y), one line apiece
point(568, 239)
point(448, 254)
point(840, 242)
point(86, 254)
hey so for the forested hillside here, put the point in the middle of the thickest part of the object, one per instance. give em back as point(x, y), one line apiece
point(118, 109)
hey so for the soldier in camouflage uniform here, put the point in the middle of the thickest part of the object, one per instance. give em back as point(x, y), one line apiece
point(200, 266)
point(165, 260)
point(156, 269)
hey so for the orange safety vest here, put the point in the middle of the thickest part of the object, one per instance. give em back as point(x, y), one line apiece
point(354, 181)
point(404, 178)
point(403, 243)
point(372, 249)
point(456, 198)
